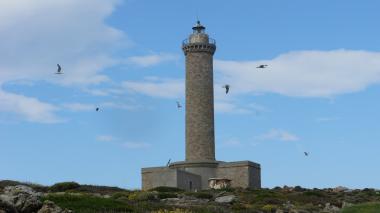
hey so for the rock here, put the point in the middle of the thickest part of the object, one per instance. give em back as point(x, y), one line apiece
point(51, 207)
point(219, 183)
point(288, 205)
point(340, 189)
point(173, 199)
point(346, 204)
point(331, 208)
point(6, 207)
point(225, 199)
point(21, 198)
point(106, 196)
point(220, 194)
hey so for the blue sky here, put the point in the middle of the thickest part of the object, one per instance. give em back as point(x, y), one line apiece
point(319, 94)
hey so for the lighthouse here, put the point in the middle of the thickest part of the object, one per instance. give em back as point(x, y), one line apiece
point(200, 169)
point(200, 137)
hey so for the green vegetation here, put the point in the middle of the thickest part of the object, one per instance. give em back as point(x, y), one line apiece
point(64, 186)
point(199, 195)
point(166, 189)
point(88, 198)
point(363, 208)
point(88, 203)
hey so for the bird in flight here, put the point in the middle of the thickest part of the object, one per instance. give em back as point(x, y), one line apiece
point(306, 153)
point(168, 162)
point(59, 70)
point(262, 66)
point(227, 87)
point(97, 109)
point(179, 105)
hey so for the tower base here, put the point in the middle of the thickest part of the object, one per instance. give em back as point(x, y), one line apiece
point(195, 175)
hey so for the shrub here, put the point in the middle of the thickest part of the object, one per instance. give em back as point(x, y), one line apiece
point(5, 183)
point(119, 195)
point(141, 196)
point(88, 203)
point(173, 211)
point(269, 208)
point(98, 189)
point(166, 189)
point(298, 189)
point(64, 186)
point(199, 195)
point(315, 193)
point(163, 195)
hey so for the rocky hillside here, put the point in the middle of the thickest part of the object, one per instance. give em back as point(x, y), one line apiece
point(16, 197)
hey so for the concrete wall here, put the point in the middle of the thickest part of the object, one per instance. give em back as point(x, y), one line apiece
point(204, 172)
point(158, 176)
point(254, 177)
point(164, 176)
point(243, 174)
point(185, 178)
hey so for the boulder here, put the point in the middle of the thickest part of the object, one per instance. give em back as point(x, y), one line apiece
point(331, 208)
point(339, 189)
point(6, 207)
point(22, 199)
point(225, 199)
point(51, 207)
point(346, 204)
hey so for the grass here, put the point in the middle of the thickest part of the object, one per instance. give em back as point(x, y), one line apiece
point(88, 203)
point(363, 208)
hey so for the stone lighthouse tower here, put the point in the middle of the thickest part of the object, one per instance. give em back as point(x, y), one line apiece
point(200, 170)
point(200, 140)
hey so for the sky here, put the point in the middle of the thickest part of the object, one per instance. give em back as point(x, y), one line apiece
point(319, 94)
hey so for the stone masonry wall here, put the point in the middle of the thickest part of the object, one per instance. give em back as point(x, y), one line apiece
point(158, 176)
point(200, 139)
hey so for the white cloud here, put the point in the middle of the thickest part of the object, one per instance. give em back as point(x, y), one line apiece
point(153, 59)
point(30, 109)
point(77, 107)
point(164, 88)
point(304, 73)
point(232, 142)
point(105, 138)
point(36, 35)
point(229, 107)
point(258, 107)
point(278, 134)
point(117, 141)
point(134, 145)
point(115, 105)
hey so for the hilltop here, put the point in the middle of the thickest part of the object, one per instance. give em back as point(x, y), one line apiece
point(73, 197)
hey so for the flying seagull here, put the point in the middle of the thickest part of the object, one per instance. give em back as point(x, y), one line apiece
point(168, 162)
point(227, 87)
point(178, 105)
point(97, 109)
point(262, 66)
point(59, 70)
point(306, 154)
